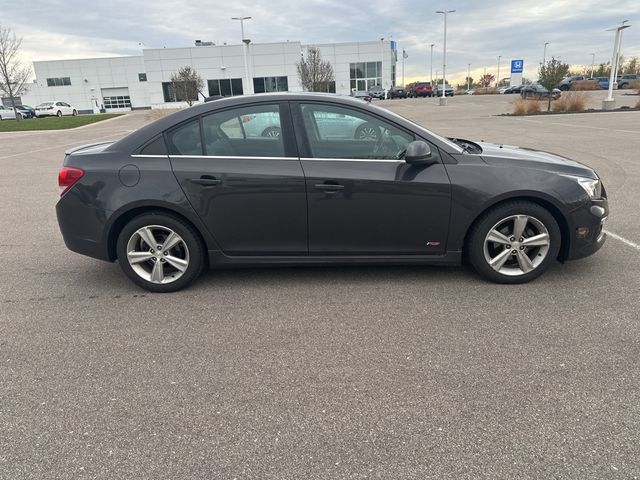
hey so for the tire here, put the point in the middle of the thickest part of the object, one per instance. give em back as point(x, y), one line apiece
point(188, 254)
point(367, 131)
point(19, 116)
point(75, 113)
point(501, 221)
point(59, 114)
point(271, 132)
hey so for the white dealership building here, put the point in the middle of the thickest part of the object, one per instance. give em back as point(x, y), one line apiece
point(142, 82)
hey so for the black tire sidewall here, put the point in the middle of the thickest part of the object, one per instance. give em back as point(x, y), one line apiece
point(475, 240)
point(188, 234)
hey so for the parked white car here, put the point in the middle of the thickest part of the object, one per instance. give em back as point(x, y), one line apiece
point(51, 109)
point(7, 113)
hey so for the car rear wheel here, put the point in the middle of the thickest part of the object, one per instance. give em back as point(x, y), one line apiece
point(75, 113)
point(515, 242)
point(160, 253)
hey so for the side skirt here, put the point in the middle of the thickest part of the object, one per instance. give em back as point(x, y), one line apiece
point(217, 259)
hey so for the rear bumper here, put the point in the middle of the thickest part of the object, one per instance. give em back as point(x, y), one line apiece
point(587, 228)
point(82, 228)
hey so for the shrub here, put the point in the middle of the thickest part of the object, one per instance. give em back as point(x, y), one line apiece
point(585, 85)
point(570, 102)
point(485, 91)
point(525, 107)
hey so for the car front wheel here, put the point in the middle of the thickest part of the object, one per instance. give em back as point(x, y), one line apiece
point(59, 114)
point(515, 242)
point(160, 253)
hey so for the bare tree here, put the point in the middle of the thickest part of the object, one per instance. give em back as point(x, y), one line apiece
point(486, 80)
point(186, 85)
point(551, 74)
point(315, 74)
point(14, 75)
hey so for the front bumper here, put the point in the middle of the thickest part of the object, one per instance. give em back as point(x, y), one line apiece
point(586, 225)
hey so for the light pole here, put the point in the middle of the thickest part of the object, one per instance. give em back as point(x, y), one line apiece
point(431, 65)
point(468, 77)
point(498, 77)
point(381, 63)
point(544, 53)
point(443, 100)
point(245, 46)
point(618, 57)
point(593, 63)
point(609, 102)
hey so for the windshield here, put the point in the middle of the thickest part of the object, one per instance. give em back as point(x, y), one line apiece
point(442, 139)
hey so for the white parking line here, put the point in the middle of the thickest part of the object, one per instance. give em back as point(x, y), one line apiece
point(623, 240)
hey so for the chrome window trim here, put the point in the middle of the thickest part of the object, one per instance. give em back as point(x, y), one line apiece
point(229, 157)
point(383, 160)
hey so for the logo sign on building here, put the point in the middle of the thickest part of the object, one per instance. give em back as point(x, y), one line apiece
point(517, 66)
point(394, 45)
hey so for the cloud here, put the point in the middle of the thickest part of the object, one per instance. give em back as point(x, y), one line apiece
point(477, 33)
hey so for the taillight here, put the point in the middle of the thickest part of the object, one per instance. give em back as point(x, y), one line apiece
point(67, 177)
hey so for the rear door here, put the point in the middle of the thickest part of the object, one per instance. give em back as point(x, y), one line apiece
point(363, 199)
point(240, 170)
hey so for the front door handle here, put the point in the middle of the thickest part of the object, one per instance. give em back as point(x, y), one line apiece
point(206, 180)
point(329, 187)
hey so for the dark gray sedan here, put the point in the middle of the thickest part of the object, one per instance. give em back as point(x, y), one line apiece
point(196, 190)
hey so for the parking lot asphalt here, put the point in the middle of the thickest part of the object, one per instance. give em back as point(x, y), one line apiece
point(327, 373)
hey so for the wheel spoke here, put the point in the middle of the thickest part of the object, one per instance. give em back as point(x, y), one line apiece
point(519, 224)
point(541, 240)
point(157, 274)
point(178, 263)
point(139, 257)
point(172, 240)
point(524, 261)
point(496, 237)
point(147, 236)
point(499, 260)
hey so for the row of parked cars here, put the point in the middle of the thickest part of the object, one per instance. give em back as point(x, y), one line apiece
point(418, 89)
point(45, 109)
point(623, 81)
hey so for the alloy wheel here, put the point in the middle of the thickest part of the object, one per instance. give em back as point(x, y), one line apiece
point(368, 133)
point(157, 254)
point(516, 245)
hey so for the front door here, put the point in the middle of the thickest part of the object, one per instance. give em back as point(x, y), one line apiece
point(241, 173)
point(363, 199)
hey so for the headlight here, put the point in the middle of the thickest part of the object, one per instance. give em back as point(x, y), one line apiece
point(591, 186)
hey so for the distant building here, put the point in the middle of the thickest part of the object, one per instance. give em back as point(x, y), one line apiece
point(142, 82)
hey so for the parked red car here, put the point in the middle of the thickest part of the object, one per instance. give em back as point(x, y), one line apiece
point(421, 89)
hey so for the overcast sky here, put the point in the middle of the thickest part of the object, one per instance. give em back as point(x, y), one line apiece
point(477, 32)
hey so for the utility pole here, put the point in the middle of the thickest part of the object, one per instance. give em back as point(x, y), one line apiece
point(498, 77)
point(544, 53)
point(593, 63)
point(468, 77)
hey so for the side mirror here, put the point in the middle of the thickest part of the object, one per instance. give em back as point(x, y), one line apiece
point(419, 153)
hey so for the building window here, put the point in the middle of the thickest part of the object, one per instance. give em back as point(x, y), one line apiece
point(58, 82)
point(364, 75)
point(142, 77)
point(170, 94)
point(270, 84)
point(226, 87)
point(123, 101)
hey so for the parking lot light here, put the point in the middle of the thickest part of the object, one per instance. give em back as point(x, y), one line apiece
point(609, 102)
point(498, 76)
point(431, 66)
point(544, 53)
point(245, 47)
point(443, 99)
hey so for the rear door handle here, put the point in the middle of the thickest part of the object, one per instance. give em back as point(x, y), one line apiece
point(328, 187)
point(206, 180)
